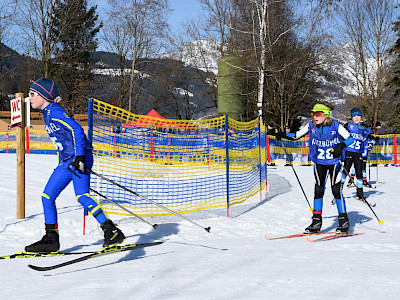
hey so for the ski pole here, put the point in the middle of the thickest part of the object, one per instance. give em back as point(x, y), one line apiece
point(147, 199)
point(369, 166)
point(120, 206)
point(380, 222)
point(377, 177)
point(298, 180)
point(112, 201)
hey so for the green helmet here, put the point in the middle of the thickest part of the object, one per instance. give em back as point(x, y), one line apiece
point(321, 107)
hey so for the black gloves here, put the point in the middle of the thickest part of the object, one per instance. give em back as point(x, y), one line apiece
point(337, 151)
point(373, 137)
point(277, 134)
point(280, 135)
point(79, 163)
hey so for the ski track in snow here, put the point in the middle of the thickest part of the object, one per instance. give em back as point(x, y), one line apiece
point(234, 261)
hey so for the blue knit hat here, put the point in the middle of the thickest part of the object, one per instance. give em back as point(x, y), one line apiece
point(356, 112)
point(46, 88)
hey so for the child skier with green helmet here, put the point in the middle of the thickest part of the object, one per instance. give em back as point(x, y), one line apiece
point(328, 138)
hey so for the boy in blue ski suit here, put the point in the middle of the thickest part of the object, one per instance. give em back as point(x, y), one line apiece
point(75, 156)
point(354, 152)
point(328, 138)
point(368, 145)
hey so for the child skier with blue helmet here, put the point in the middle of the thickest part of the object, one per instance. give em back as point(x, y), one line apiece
point(362, 136)
point(75, 156)
point(368, 145)
point(328, 138)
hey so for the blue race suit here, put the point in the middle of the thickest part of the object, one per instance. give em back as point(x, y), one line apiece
point(360, 135)
point(355, 152)
point(322, 140)
point(70, 140)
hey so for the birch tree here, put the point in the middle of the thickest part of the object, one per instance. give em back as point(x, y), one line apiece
point(276, 62)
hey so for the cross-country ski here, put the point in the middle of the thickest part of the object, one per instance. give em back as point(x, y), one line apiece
point(295, 235)
point(332, 237)
point(105, 251)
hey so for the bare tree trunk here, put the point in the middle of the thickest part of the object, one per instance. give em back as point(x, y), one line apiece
point(37, 25)
point(262, 23)
point(142, 26)
point(367, 24)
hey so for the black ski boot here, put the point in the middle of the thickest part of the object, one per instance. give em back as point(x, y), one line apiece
point(344, 224)
point(360, 193)
point(316, 224)
point(50, 242)
point(112, 235)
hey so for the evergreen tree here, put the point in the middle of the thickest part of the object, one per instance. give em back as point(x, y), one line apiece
point(72, 68)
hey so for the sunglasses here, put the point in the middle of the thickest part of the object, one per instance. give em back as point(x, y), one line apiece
point(32, 94)
point(317, 113)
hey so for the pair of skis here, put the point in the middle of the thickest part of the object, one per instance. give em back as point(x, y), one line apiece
point(89, 255)
point(368, 185)
point(327, 236)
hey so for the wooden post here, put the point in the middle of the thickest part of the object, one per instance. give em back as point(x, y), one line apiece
point(21, 161)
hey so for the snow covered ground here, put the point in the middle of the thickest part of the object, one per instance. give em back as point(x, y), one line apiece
point(234, 261)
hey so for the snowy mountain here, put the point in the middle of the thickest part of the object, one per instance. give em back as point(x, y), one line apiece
point(201, 54)
point(340, 62)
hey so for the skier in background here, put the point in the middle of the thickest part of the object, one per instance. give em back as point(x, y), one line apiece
point(75, 156)
point(368, 145)
point(289, 157)
point(328, 138)
point(354, 152)
point(379, 130)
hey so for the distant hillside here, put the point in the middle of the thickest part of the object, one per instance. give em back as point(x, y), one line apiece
point(167, 85)
point(336, 88)
point(174, 89)
point(13, 72)
point(177, 85)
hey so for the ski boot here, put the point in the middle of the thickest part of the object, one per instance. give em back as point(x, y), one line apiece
point(343, 224)
point(360, 194)
point(365, 182)
point(112, 235)
point(50, 242)
point(316, 224)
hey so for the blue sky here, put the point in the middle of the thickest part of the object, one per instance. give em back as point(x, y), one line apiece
point(183, 9)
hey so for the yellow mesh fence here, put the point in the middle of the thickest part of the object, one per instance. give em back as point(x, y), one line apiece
point(184, 165)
